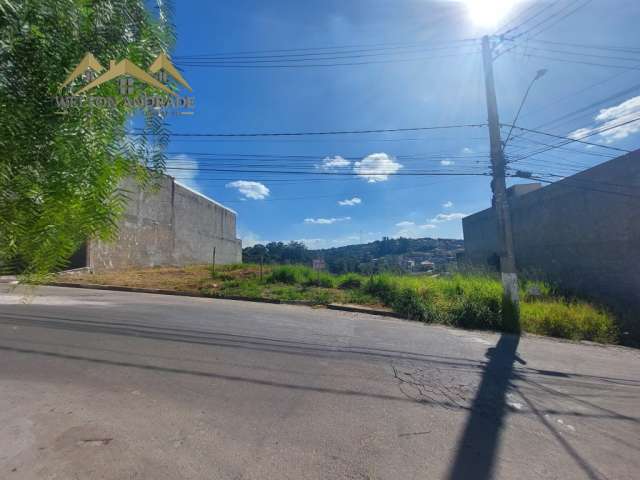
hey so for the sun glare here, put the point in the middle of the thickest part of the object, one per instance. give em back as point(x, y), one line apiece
point(487, 13)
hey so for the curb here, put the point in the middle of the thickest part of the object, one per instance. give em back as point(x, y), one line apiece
point(178, 293)
point(331, 306)
point(367, 310)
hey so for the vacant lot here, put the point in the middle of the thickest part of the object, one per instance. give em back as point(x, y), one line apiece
point(466, 301)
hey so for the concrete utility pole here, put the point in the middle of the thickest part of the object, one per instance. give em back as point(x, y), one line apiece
point(498, 184)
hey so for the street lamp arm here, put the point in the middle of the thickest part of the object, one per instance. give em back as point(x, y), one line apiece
point(539, 75)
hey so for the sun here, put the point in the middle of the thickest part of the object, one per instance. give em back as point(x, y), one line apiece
point(487, 13)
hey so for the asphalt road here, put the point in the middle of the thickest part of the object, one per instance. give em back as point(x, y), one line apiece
point(111, 385)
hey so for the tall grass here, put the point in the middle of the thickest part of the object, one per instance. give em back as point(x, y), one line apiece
point(575, 320)
point(471, 301)
point(465, 301)
point(302, 275)
point(476, 302)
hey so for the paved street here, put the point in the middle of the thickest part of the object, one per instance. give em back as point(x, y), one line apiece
point(111, 385)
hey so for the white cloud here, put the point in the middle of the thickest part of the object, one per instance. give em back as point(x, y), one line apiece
point(350, 202)
point(187, 177)
point(579, 133)
point(447, 217)
point(332, 163)
point(447, 204)
point(319, 243)
point(376, 167)
point(326, 221)
point(249, 239)
point(251, 190)
point(467, 150)
point(609, 117)
point(411, 230)
point(447, 162)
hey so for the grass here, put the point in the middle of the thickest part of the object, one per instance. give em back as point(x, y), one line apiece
point(465, 301)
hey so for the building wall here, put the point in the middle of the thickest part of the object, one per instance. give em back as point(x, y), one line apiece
point(582, 232)
point(169, 226)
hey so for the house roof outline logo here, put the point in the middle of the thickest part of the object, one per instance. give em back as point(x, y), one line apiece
point(128, 68)
point(162, 62)
point(88, 62)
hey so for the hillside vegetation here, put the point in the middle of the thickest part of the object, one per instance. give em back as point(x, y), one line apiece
point(366, 258)
point(466, 301)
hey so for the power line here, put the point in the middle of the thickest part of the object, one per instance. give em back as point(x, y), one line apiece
point(578, 54)
point(568, 182)
point(313, 159)
point(589, 108)
point(559, 19)
point(568, 160)
point(342, 195)
point(315, 65)
point(322, 140)
point(526, 20)
point(566, 149)
point(590, 134)
point(364, 173)
point(578, 62)
point(374, 46)
point(334, 132)
point(264, 60)
point(578, 140)
point(420, 47)
point(613, 48)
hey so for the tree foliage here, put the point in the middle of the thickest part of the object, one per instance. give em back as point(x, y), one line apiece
point(277, 252)
point(59, 173)
point(366, 258)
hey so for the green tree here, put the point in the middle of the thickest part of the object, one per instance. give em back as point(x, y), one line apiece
point(59, 173)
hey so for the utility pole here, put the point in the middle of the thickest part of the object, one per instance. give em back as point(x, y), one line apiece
point(498, 184)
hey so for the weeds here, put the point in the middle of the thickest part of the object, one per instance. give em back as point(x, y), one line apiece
point(463, 300)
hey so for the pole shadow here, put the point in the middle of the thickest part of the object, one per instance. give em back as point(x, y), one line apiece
point(478, 447)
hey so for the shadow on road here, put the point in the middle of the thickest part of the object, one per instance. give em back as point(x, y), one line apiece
point(478, 447)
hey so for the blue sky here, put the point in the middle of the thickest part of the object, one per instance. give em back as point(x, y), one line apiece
point(416, 74)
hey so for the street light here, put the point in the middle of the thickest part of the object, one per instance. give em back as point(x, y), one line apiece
point(539, 74)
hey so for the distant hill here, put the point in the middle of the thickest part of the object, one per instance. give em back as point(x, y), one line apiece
point(391, 254)
point(397, 254)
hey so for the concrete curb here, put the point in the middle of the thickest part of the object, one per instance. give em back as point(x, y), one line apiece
point(331, 306)
point(178, 293)
point(363, 309)
point(160, 291)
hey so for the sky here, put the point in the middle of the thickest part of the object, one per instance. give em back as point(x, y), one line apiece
point(325, 66)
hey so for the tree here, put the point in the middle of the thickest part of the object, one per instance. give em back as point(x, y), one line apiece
point(59, 174)
point(277, 252)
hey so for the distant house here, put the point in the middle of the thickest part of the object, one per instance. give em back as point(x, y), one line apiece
point(408, 264)
point(427, 266)
point(173, 225)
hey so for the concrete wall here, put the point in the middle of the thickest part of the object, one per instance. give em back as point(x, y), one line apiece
point(582, 232)
point(170, 226)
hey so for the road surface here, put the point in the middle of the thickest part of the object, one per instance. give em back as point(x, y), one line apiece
point(113, 385)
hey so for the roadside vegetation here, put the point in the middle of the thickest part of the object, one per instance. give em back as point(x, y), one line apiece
point(465, 301)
